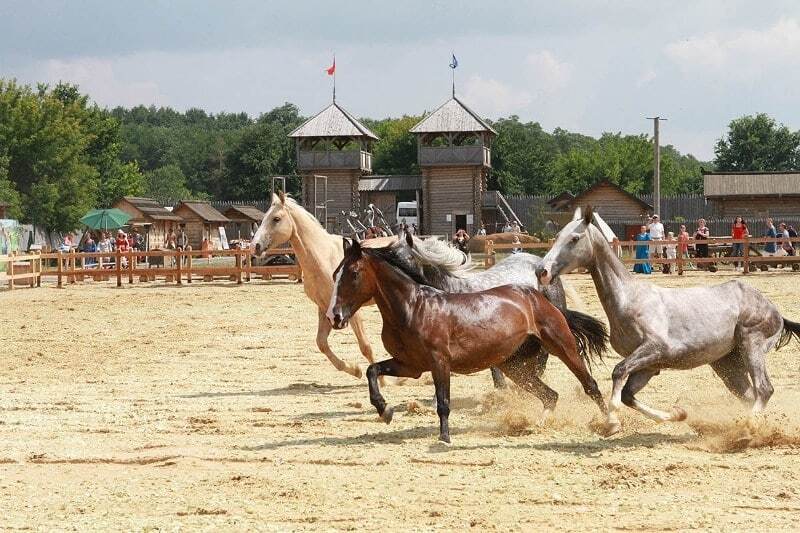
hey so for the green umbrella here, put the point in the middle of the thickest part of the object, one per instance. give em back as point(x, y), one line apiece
point(105, 218)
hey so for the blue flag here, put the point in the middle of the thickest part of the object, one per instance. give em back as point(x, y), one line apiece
point(454, 62)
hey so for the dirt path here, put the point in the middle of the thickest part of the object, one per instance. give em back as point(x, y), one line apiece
point(208, 407)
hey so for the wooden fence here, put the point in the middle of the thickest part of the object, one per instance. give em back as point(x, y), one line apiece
point(718, 248)
point(20, 269)
point(172, 266)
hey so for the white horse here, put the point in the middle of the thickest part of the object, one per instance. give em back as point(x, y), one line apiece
point(730, 327)
point(318, 253)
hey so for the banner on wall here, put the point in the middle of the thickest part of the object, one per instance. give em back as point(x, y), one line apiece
point(10, 236)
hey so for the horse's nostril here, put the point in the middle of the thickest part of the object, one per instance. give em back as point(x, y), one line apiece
point(258, 248)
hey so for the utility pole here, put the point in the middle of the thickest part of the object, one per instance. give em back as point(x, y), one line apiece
point(657, 166)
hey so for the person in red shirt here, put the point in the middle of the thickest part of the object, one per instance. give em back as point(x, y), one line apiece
point(738, 231)
point(122, 242)
point(683, 244)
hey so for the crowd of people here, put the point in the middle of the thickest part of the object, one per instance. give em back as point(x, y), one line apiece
point(683, 244)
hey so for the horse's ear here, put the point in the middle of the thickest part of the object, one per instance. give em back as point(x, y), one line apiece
point(282, 196)
point(346, 245)
point(588, 214)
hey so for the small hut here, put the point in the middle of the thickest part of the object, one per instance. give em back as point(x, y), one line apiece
point(156, 220)
point(753, 194)
point(201, 221)
point(244, 219)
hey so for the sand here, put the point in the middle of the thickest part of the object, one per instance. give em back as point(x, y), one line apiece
point(208, 407)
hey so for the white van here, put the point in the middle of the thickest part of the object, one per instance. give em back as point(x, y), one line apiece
point(407, 212)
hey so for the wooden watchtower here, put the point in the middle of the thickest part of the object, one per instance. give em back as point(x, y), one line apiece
point(454, 154)
point(334, 144)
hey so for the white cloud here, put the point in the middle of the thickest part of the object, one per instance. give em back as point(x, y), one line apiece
point(99, 78)
point(495, 98)
point(646, 77)
point(742, 53)
point(548, 73)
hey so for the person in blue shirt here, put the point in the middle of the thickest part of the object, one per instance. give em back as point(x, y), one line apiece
point(643, 252)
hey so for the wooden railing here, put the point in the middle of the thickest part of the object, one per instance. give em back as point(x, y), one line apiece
point(20, 267)
point(173, 266)
point(718, 246)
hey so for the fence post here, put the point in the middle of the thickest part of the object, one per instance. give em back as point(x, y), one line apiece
point(39, 277)
point(131, 259)
point(679, 262)
point(189, 268)
point(11, 270)
point(73, 265)
point(60, 269)
point(119, 267)
point(489, 261)
point(248, 261)
point(179, 260)
point(238, 268)
point(746, 254)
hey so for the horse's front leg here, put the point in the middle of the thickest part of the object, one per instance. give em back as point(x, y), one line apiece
point(389, 367)
point(323, 330)
point(441, 380)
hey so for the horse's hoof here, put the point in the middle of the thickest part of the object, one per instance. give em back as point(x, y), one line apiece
point(444, 438)
point(611, 429)
point(678, 414)
point(355, 371)
point(387, 415)
point(547, 416)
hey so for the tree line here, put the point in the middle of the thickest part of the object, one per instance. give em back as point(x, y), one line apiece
point(61, 155)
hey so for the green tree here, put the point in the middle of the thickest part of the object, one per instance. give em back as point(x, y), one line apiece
point(521, 157)
point(757, 143)
point(167, 183)
point(8, 193)
point(396, 152)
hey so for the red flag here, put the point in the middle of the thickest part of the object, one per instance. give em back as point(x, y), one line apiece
point(332, 68)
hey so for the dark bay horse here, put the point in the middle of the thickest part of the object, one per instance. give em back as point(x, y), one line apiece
point(425, 329)
point(444, 268)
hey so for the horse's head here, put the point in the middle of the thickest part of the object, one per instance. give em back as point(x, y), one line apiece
point(353, 285)
point(276, 228)
point(572, 249)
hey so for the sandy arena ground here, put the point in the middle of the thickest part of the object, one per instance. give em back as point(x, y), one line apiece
point(208, 407)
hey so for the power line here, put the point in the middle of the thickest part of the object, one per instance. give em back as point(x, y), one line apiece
point(657, 165)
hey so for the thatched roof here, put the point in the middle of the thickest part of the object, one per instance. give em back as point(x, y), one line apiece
point(151, 209)
point(390, 183)
point(203, 210)
point(452, 116)
point(333, 121)
point(577, 200)
point(244, 213)
point(775, 183)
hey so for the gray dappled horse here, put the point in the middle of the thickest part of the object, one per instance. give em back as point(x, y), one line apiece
point(446, 268)
point(730, 327)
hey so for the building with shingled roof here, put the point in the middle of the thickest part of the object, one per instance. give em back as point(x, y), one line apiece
point(333, 144)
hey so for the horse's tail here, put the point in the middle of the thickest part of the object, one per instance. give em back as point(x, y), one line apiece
point(590, 334)
point(790, 329)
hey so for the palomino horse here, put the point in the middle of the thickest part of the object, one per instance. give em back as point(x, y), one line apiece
point(730, 326)
point(443, 267)
point(318, 253)
point(425, 329)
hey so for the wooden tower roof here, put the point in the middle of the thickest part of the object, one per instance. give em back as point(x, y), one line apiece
point(452, 116)
point(333, 121)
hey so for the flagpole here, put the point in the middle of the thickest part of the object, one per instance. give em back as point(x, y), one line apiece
point(454, 82)
point(334, 78)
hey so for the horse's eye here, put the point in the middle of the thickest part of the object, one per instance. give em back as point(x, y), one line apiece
point(575, 238)
point(276, 219)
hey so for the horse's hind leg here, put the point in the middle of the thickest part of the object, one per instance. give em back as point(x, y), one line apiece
point(637, 382)
point(735, 374)
point(754, 348)
point(441, 380)
point(389, 367)
point(497, 378)
point(323, 330)
point(523, 371)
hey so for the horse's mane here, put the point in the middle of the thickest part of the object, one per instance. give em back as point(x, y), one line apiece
point(292, 203)
point(437, 254)
point(388, 255)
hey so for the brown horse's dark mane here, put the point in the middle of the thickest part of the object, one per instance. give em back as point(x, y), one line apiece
point(387, 255)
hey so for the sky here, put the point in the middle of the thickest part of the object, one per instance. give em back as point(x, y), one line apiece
point(588, 66)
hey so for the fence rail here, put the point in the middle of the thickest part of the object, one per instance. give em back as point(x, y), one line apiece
point(26, 268)
point(171, 265)
point(717, 245)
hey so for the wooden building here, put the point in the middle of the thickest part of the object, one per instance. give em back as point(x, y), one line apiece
point(156, 220)
point(385, 191)
point(244, 221)
point(201, 221)
point(4, 209)
point(336, 145)
point(454, 154)
point(752, 194)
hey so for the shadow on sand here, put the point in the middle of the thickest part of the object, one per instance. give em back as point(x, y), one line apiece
point(289, 390)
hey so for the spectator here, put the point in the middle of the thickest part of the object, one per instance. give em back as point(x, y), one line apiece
point(482, 230)
point(68, 244)
point(671, 250)
point(517, 245)
point(683, 244)
point(90, 246)
point(507, 228)
point(414, 229)
point(738, 231)
point(770, 248)
point(656, 230)
point(515, 227)
point(183, 239)
point(701, 247)
point(104, 246)
point(171, 242)
point(642, 252)
point(786, 244)
point(121, 241)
